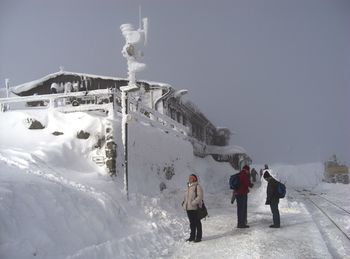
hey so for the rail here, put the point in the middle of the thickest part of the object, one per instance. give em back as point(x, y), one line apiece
point(155, 118)
point(329, 218)
point(324, 212)
point(334, 204)
point(54, 100)
point(94, 100)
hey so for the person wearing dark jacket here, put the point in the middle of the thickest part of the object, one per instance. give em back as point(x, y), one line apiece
point(242, 197)
point(272, 199)
point(253, 174)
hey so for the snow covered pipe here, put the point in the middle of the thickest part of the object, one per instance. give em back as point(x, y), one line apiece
point(168, 93)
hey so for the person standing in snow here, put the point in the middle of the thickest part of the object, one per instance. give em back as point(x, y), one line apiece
point(272, 199)
point(242, 197)
point(192, 201)
point(253, 174)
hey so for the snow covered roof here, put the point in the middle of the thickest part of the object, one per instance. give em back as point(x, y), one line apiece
point(30, 85)
point(225, 150)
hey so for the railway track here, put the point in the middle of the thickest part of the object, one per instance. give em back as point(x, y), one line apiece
point(332, 220)
point(333, 203)
point(326, 212)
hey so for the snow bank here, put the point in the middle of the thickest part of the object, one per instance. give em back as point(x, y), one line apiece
point(49, 219)
point(56, 203)
point(60, 204)
point(299, 176)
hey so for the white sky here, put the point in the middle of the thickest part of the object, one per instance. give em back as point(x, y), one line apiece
point(275, 72)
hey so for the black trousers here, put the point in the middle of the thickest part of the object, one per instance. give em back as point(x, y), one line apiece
point(195, 225)
point(242, 205)
point(275, 213)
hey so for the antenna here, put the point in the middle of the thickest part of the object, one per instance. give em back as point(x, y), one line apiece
point(145, 29)
point(143, 25)
point(140, 9)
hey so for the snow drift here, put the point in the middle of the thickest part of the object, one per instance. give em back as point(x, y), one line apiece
point(56, 203)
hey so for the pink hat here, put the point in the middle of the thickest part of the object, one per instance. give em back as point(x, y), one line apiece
point(192, 178)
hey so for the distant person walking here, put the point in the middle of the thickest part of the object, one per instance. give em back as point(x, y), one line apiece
point(192, 201)
point(272, 199)
point(242, 197)
point(253, 174)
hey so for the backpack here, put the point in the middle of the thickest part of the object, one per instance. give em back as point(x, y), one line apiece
point(281, 190)
point(234, 181)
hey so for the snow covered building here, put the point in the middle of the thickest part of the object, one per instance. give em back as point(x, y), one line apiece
point(161, 97)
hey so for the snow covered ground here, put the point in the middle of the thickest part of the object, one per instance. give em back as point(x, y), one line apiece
point(56, 203)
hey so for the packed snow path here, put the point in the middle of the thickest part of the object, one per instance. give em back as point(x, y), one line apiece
point(298, 237)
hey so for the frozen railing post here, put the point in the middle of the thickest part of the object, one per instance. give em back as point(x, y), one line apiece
point(7, 84)
point(6, 106)
point(131, 52)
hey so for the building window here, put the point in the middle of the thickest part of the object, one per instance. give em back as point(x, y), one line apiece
point(178, 117)
point(172, 113)
point(184, 120)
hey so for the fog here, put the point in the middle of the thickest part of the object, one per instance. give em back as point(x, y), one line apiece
point(277, 73)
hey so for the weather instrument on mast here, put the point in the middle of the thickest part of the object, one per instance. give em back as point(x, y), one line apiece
point(132, 51)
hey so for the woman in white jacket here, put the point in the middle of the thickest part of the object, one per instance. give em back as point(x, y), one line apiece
point(192, 201)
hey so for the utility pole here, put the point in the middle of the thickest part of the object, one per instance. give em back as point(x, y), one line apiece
point(132, 54)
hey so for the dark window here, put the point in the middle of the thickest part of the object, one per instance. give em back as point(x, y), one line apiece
point(172, 113)
point(184, 120)
point(178, 117)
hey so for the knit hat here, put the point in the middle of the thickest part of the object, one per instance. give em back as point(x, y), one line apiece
point(266, 175)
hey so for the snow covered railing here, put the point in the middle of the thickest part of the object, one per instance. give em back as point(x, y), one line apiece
point(85, 108)
point(93, 100)
point(154, 118)
point(15, 103)
point(225, 150)
point(56, 100)
point(199, 148)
